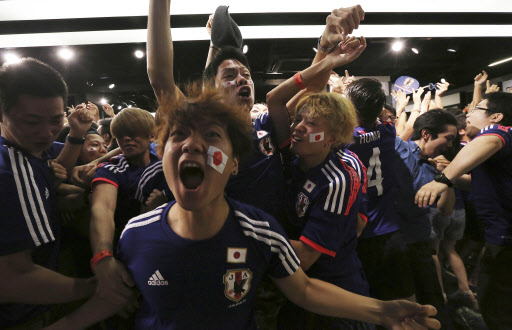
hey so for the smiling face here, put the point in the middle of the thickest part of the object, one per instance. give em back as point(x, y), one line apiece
point(235, 77)
point(93, 148)
point(310, 135)
point(479, 117)
point(435, 147)
point(192, 174)
point(34, 123)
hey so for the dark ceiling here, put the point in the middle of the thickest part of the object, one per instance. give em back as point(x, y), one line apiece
point(97, 66)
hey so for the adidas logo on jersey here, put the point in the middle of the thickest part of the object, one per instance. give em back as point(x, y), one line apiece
point(157, 279)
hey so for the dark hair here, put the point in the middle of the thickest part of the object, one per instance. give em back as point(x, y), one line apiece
point(389, 107)
point(459, 115)
point(368, 98)
point(206, 102)
point(31, 77)
point(500, 102)
point(105, 123)
point(226, 53)
point(434, 121)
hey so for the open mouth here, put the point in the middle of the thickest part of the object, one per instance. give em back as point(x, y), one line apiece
point(296, 138)
point(191, 174)
point(244, 91)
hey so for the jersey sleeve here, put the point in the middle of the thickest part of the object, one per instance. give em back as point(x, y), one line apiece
point(330, 219)
point(105, 174)
point(284, 261)
point(504, 133)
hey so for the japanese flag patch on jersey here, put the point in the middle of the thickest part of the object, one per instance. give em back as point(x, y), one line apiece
point(217, 159)
point(237, 255)
point(309, 186)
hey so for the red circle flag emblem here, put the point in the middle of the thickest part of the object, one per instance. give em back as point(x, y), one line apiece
point(217, 158)
point(318, 137)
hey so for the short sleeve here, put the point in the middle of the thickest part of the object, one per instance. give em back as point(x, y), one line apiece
point(504, 133)
point(284, 261)
point(105, 174)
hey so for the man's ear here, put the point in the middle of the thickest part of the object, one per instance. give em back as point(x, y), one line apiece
point(497, 117)
point(152, 138)
point(425, 134)
point(235, 165)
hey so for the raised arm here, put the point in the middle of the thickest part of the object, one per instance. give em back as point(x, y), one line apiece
point(415, 112)
point(279, 96)
point(160, 51)
point(441, 89)
point(469, 157)
point(480, 79)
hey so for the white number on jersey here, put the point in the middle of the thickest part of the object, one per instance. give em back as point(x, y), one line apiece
point(375, 170)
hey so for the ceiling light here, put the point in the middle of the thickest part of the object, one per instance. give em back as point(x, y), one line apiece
point(119, 107)
point(502, 61)
point(415, 51)
point(315, 50)
point(11, 58)
point(66, 54)
point(245, 49)
point(443, 80)
point(139, 54)
point(103, 101)
point(111, 86)
point(129, 105)
point(397, 46)
point(451, 50)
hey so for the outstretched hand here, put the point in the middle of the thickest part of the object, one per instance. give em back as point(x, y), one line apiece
point(491, 88)
point(481, 78)
point(403, 314)
point(441, 88)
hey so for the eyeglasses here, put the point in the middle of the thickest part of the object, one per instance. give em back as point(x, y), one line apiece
point(480, 108)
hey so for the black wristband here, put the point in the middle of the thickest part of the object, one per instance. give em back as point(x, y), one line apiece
point(74, 140)
point(441, 178)
point(325, 50)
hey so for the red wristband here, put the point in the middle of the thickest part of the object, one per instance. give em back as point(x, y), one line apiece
point(297, 79)
point(100, 255)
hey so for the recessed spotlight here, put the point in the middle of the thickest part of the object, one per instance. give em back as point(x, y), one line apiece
point(103, 101)
point(111, 86)
point(245, 49)
point(139, 54)
point(397, 46)
point(443, 80)
point(66, 54)
point(11, 58)
point(119, 107)
point(502, 61)
point(451, 50)
point(415, 51)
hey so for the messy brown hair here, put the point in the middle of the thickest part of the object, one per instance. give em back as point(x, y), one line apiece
point(205, 102)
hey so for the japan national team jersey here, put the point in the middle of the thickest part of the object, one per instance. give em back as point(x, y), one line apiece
point(30, 218)
point(492, 188)
point(152, 178)
point(322, 207)
point(260, 179)
point(203, 284)
point(376, 150)
point(125, 178)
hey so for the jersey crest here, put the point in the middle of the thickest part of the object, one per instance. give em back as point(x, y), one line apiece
point(266, 146)
point(237, 283)
point(302, 205)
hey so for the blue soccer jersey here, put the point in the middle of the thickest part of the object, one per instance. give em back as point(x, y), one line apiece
point(260, 179)
point(203, 284)
point(126, 179)
point(30, 218)
point(414, 173)
point(322, 208)
point(492, 188)
point(152, 178)
point(376, 150)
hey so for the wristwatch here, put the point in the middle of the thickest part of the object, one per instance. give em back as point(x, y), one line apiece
point(325, 50)
point(441, 178)
point(74, 140)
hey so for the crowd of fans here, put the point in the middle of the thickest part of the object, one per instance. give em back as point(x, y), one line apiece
point(362, 214)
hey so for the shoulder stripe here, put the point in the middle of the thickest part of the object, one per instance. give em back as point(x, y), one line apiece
point(326, 205)
point(355, 162)
point(149, 214)
point(119, 167)
point(16, 176)
point(278, 244)
point(344, 185)
point(140, 224)
point(148, 173)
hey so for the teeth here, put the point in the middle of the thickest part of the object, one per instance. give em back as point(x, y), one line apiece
point(190, 164)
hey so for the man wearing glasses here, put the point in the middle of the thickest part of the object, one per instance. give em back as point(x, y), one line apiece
point(489, 158)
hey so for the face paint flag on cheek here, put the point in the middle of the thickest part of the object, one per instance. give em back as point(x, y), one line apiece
point(217, 159)
point(233, 83)
point(92, 149)
point(316, 137)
